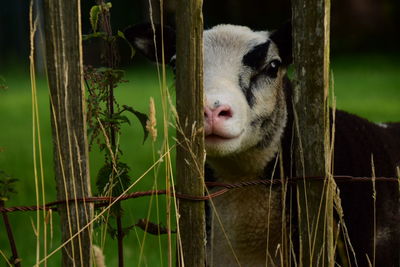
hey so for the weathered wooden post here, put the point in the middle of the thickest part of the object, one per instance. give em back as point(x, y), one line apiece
point(311, 20)
point(65, 76)
point(190, 152)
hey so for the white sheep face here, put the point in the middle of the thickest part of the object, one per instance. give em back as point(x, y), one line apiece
point(243, 90)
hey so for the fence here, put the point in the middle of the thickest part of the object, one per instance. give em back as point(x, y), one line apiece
point(70, 137)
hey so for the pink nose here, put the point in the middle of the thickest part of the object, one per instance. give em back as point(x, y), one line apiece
point(214, 118)
point(222, 112)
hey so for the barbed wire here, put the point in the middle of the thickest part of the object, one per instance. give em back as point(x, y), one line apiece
point(104, 201)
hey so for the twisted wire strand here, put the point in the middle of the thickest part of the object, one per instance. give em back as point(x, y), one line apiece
point(104, 201)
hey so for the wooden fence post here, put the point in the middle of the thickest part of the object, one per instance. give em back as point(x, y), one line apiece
point(311, 20)
point(190, 152)
point(65, 77)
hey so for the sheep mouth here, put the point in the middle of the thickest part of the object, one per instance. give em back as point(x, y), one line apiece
point(214, 137)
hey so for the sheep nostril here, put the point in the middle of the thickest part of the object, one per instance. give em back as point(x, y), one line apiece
point(224, 112)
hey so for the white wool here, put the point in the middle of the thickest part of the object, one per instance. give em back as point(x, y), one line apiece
point(383, 125)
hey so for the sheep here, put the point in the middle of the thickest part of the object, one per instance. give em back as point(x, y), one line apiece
point(248, 118)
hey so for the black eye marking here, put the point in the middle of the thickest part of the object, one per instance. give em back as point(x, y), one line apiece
point(255, 58)
point(247, 91)
point(272, 68)
point(270, 71)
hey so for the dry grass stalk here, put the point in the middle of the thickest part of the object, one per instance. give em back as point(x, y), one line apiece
point(37, 145)
point(99, 259)
point(151, 124)
point(398, 176)
point(5, 258)
point(374, 198)
point(166, 109)
point(106, 209)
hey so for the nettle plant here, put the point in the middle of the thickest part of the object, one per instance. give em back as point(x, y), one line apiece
point(7, 182)
point(7, 186)
point(105, 115)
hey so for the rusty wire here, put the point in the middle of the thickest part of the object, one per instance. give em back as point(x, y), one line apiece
point(104, 201)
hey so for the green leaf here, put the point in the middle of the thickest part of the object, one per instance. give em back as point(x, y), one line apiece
point(112, 231)
point(102, 147)
point(113, 178)
point(141, 117)
point(89, 36)
point(106, 6)
point(110, 74)
point(126, 230)
point(94, 16)
point(103, 69)
point(117, 75)
point(122, 36)
point(121, 119)
point(7, 186)
point(113, 181)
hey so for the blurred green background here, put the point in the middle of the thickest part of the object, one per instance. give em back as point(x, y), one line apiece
point(365, 67)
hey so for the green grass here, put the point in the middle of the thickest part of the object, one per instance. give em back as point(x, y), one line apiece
point(17, 159)
point(365, 85)
point(368, 85)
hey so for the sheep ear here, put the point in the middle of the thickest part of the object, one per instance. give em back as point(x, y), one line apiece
point(283, 40)
point(141, 36)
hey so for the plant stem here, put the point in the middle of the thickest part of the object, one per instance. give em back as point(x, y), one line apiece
point(112, 61)
point(15, 259)
point(111, 113)
point(120, 236)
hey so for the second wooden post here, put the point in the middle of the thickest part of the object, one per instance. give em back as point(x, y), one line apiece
point(190, 152)
point(311, 20)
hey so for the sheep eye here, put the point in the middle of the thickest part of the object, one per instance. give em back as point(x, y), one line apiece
point(272, 68)
point(274, 64)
